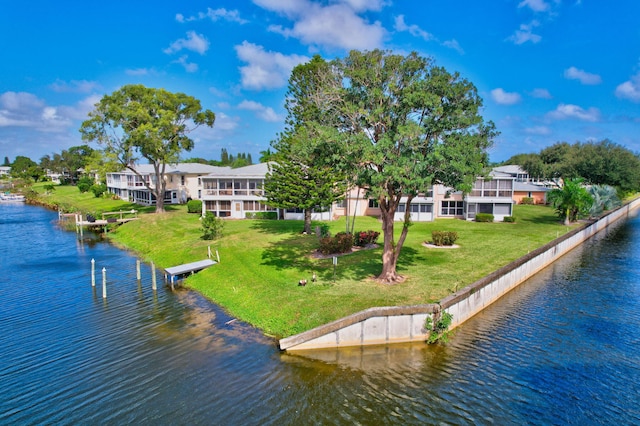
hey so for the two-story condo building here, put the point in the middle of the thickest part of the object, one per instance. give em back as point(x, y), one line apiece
point(183, 183)
point(233, 193)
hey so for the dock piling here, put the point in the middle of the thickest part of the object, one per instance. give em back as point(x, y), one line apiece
point(93, 272)
point(153, 277)
point(104, 283)
point(138, 269)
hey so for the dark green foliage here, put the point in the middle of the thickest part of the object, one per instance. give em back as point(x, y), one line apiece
point(444, 238)
point(98, 189)
point(194, 206)
point(262, 215)
point(484, 217)
point(364, 238)
point(527, 200)
point(211, 226)
point(340, 243)
point(509, 219)
point(572, 201)
point(85, 183)
point(598, 163)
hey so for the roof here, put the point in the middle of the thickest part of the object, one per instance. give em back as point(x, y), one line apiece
point(259, 170)
point(529, 187)
point(512, 169)
point(180, 168)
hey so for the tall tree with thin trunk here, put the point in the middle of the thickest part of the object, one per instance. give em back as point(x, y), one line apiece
point(136, 121)
point(403, 125)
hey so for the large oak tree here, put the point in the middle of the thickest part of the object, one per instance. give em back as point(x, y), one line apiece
point(403, 125)
point(136, 121)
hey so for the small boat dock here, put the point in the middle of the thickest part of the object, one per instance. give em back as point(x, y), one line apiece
point(89, 221)
point(186, 269)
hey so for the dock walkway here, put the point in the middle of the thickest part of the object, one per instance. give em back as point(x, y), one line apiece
point(187, 268)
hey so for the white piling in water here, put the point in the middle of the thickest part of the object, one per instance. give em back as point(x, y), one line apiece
point(138, 269)
point(93, 272)
point(104, 283)
point(153, 277)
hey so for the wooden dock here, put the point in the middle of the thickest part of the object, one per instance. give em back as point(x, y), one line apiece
point(186, 269)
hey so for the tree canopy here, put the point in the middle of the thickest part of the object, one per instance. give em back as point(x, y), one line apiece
point(138, 122)
point(396, 124)
point(598, 163)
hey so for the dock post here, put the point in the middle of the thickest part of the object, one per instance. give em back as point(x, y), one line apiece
point(153, 277)
point(93, 272)
point(104, 283)
point(217, 256)
point(209, 252)
point(138, 269)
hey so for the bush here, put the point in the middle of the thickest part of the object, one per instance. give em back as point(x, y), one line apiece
point(261, 215)
point(509, 219)
point(340, 243)
point(85, 183)
point(194, 206)
point(484, 217)
point(364, 238)
point(211, 226)
point(527, 200)
point(444, 238)
point(98, 189)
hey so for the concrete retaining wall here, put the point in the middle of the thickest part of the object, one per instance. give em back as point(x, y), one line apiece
point(398, 324)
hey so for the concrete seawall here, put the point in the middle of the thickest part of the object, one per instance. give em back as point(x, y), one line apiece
point(397, 324)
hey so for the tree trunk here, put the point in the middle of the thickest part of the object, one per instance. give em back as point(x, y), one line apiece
point(389, 258)
point(307, 221)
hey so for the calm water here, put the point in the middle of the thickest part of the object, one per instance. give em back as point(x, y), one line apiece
point(562, 349)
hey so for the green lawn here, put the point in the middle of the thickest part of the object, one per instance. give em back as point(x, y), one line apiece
point(262, 261)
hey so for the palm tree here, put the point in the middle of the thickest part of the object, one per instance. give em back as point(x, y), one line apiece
point(605, 197)
point(571, 200)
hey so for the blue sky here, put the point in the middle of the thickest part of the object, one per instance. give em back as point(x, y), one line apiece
point(548, 70)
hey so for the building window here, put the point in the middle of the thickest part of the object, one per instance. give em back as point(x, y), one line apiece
point(401, 208)
point(426, 208)
point(452, 208)
point(341, 204)
point(373, 203)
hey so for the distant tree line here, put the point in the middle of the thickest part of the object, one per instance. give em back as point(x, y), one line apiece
point(597, 163)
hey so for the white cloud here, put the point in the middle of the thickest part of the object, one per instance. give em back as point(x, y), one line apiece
point(263, 112)
point(584, 77)
point(630, 89)
point(401, 26)
point(453, 44)
point(336, 25)
point(214, 15)
point(265, 70)
point(74, 86)
point(414, 30)
point(21, 109)
point(525, 34)
point(188, 66)
point(505, 98)
point(568, 111)
point(195, 42)
point(535, 5)
point(538, 130)
point(541, 94)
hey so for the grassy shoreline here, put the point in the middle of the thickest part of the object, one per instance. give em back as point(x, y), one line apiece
point(262, 261)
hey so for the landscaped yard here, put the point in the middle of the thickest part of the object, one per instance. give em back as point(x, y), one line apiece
point(262, 261)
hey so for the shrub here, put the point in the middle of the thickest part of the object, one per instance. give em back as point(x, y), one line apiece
point(98, 189)
point(261, 215)
point(484, 217)
point(340, 243)
point(211, 226)
point(509, 219)
point(85, 183)
point(194, 206)
point(527, 200)
point(364, 238)
point(444, 238)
